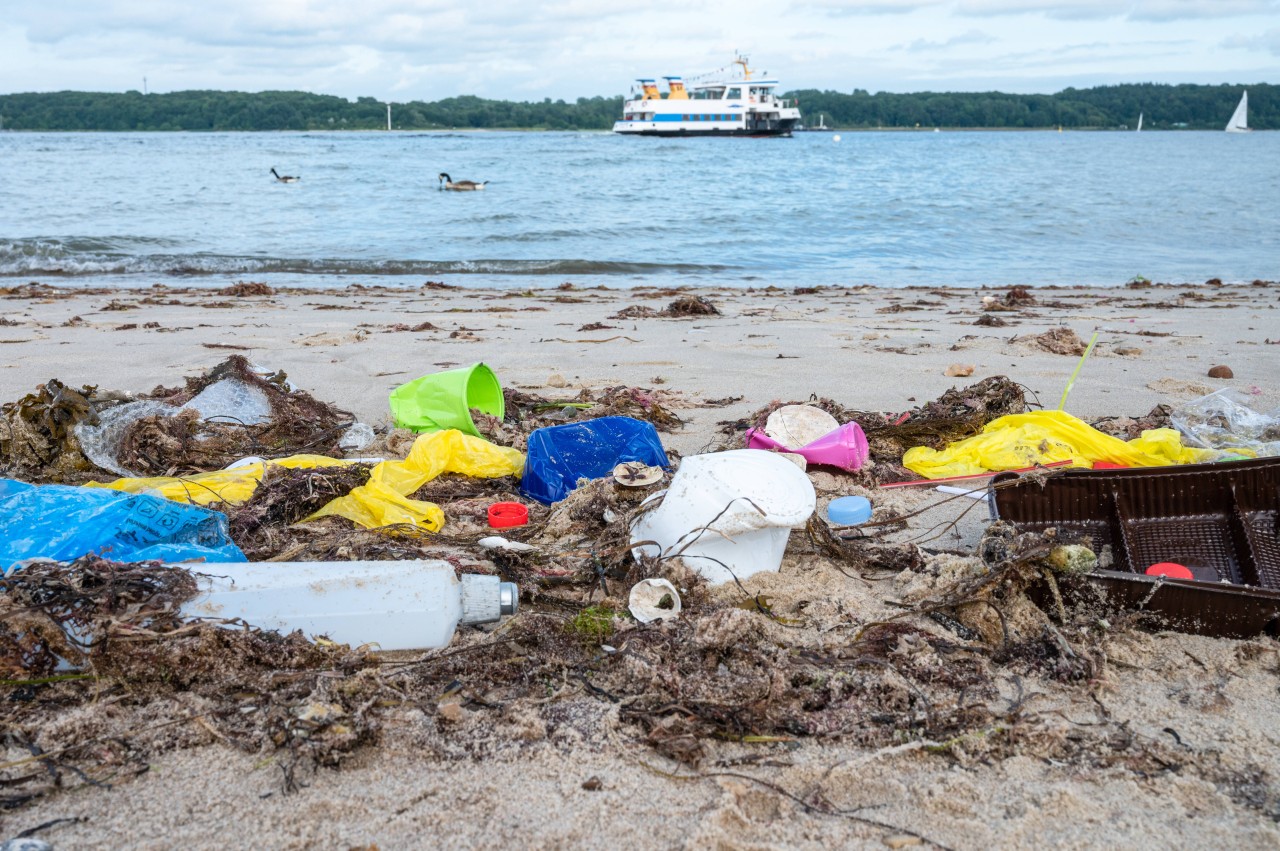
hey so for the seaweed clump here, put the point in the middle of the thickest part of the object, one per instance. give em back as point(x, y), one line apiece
point(527, 412)
point(248, 288)
point(1059, 341)
point(956, 414)
point(38, 441)
point(283, 497)
point(683, 307)
point(119, 629)
point(186, 442)
point(1128, 428)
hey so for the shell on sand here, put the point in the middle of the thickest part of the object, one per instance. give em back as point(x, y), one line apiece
point(647, 594)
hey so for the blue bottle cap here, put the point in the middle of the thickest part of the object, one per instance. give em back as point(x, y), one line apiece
point(849, 510)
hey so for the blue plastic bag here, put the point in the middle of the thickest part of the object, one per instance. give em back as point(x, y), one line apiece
point(63, 523)
point(559, 456)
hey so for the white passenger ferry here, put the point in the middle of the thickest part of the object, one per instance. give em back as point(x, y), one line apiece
point(723, 103)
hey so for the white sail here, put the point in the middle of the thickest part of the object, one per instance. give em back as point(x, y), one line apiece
point(1139, 130)
point(1239, 122)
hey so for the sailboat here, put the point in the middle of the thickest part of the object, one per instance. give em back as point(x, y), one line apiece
point(1239, 122)
point(1139, 130)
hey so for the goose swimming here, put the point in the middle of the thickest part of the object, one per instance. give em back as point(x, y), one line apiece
point(284, 178)
point(447, 182)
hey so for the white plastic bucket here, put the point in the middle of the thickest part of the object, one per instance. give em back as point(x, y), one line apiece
point(727, 514)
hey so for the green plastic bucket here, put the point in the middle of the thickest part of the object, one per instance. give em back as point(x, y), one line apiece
point(444, 400)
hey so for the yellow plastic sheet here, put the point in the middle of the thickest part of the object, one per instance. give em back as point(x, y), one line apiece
point(1043, 437)
point(382, 502)
point(233, 486)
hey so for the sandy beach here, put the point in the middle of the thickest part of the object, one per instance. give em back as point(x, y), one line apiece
point(1161, 740)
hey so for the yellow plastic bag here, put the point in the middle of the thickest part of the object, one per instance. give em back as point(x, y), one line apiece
point(231, 486)
point(1043, 437)
point(384, 500)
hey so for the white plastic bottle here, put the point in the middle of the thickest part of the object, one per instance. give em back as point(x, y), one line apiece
point(397, 605)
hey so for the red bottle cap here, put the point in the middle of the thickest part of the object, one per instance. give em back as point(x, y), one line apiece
point(504, 515)
point(1170, 569)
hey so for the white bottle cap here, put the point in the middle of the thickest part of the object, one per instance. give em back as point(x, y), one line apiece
point(486, 599)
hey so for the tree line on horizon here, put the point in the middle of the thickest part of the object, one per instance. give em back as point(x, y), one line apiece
point(1184, 106)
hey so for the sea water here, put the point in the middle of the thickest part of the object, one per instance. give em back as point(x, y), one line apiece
point(883, 208)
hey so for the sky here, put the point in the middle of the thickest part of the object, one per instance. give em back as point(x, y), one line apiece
point(401, 50)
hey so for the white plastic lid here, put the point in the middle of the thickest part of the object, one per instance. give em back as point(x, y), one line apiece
point(734, 484)
point(849, 510)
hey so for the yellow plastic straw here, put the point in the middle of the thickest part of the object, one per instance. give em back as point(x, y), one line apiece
point(1072, 381)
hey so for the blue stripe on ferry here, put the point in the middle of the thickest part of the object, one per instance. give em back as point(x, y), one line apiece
point(662, 117)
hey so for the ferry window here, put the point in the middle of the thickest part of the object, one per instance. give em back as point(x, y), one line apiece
point(735, 93)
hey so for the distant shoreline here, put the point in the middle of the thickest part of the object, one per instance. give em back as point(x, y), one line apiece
point(478, 130)
point(1115, 107)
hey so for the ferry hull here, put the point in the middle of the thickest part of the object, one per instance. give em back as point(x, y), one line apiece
point(758, 134)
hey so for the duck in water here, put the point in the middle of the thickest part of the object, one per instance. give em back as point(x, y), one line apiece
point(284, 178)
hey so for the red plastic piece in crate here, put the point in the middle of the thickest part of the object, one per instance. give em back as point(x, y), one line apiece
point(1173, 570)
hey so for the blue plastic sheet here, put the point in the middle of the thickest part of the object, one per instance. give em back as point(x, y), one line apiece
point(63, 523)
point(561, 455)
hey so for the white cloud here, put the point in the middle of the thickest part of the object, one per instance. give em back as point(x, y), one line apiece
point(929, 45)
point(1268, 42)
point(1135, 10)
point(429, 49)
point(856, 8)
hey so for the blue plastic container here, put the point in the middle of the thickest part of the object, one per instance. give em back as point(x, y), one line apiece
point(558, 456)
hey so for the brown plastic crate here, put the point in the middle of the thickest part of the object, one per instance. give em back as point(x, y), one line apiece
point(1222, 521)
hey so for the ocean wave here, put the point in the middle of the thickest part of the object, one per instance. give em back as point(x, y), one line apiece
point(87, 257)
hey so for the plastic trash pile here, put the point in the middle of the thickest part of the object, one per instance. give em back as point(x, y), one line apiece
point(490, 491)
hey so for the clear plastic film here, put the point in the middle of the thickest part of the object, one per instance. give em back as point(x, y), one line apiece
point(1224, 422)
